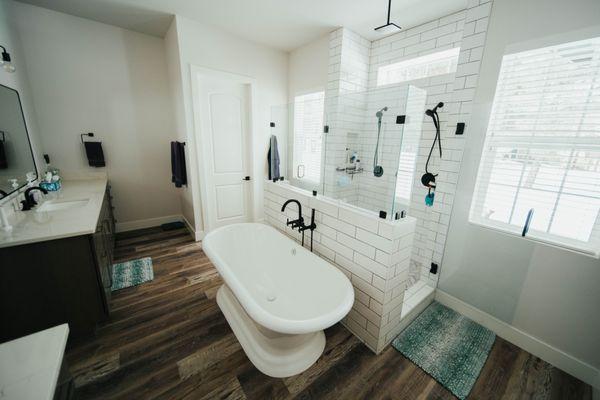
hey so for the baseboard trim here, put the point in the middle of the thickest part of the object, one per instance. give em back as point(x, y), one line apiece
point(197, 235)
point(147, 223)
point(579, 369)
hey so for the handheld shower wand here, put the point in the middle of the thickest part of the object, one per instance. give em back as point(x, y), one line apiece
point(428, 179)
point(378, 169)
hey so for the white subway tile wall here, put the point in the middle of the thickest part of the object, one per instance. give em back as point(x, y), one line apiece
point(465, 29)
point(377, 265)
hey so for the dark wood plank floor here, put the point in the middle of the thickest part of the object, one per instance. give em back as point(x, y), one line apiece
point(168, 339)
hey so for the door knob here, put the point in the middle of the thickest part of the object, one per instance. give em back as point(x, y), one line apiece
point(246, 178)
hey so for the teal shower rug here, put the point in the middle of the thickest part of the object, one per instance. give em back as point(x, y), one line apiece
point(448, 346)
point(132, 273)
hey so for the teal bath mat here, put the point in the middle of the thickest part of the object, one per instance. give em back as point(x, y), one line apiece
point(448, 346)
point(131, 273)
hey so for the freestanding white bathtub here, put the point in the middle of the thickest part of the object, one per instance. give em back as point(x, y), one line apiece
point(277, 297)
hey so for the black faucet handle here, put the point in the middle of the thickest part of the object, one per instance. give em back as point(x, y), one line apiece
point(295, 223)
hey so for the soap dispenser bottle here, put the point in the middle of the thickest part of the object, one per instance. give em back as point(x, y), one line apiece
point(51, 179)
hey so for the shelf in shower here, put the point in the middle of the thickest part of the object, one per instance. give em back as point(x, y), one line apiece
point(350, 170)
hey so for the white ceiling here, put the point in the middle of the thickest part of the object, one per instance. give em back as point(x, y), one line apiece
point(283, 24)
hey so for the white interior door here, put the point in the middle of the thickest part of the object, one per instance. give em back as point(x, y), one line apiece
point(225, 121)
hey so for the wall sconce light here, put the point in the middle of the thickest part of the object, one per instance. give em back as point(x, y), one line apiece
point(6, 63)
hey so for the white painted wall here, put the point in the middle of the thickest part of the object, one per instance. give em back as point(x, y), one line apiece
point(307, 68)
point(191, 215)
point(207, 47)
point(91, 77)
point(548, 293)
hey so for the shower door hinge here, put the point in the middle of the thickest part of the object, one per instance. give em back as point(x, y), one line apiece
point(460, 128)
point(272, 124)
point(400, 119)
point(326, 129)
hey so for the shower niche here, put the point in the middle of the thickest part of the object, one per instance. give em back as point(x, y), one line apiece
point(357, 147)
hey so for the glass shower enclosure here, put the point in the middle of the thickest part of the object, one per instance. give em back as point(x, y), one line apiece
point(359, 147)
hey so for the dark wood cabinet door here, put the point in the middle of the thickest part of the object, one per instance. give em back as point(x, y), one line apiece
point(49, 283)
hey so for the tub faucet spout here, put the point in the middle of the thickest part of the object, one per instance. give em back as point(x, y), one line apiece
point(296, 223)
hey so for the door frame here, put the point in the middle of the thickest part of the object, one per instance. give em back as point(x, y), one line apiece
point(201, 146)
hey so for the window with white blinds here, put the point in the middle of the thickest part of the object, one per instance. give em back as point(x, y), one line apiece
point(542, 147)
point(308, 129)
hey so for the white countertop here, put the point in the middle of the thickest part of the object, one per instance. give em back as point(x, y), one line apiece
point(34, 226)
point(30, 366)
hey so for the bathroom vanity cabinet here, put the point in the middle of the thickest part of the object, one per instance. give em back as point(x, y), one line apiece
point(63, 280)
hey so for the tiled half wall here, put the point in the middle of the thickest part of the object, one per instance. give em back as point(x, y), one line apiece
point(373, 253)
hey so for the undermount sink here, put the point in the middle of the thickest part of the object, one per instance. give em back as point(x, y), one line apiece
point(57, 205)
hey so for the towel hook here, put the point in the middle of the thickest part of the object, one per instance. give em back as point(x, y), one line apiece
point(90, 134)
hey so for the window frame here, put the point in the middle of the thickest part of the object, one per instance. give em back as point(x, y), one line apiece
point(506, 228)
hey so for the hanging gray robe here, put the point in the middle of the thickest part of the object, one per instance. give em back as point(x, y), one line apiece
point(273, 158)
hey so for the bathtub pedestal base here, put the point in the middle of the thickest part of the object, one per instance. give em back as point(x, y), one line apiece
point(274, 354)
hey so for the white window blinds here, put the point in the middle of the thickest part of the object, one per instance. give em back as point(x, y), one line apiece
point(308, 130)
point(542, 147)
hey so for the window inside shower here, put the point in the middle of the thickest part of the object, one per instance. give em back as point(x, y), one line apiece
point(438, 63)
point(308, 117)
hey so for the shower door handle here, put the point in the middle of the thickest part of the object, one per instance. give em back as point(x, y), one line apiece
point(247, 178)
point(527, 222)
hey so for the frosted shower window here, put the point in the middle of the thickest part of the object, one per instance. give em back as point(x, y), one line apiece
point(542, 147)
point(308, 130)
point(439, 63)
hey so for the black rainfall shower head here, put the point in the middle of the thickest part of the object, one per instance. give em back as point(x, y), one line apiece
point(389, 27)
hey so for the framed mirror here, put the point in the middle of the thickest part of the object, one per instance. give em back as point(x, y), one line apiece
point(17, 163)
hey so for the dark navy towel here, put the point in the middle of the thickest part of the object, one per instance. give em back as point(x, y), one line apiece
point(94, 153)
point(178, 169)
